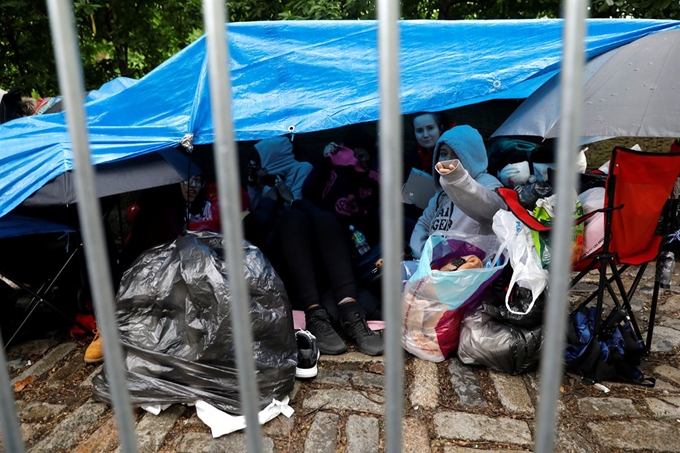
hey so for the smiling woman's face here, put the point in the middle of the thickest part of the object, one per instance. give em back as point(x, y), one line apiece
point(427, 130)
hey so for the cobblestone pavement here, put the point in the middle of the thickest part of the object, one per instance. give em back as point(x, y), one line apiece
point(448, 407)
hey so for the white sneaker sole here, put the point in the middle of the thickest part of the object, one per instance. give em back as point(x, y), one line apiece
point(306, 373)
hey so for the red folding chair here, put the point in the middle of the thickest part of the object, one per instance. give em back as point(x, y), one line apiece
point(637, 189)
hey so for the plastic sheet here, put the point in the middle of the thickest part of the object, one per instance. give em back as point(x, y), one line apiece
point(173, 310)
point(503, 347)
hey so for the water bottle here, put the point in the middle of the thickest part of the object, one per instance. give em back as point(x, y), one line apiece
point(359, 240)
point(665, 264)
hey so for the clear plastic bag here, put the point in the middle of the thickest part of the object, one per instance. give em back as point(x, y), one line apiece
point(435, 301)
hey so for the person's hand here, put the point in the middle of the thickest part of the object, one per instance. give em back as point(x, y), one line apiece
point(260, 178)
point(272, 193)
point(330, 148)
point(284, 191)
point(443, 170)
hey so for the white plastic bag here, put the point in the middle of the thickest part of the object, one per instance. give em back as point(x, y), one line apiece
point(527, 270)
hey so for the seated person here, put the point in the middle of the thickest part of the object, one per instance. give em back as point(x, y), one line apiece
point(427, 128)
point(465, 200)
point(344, 185)
point(207, 218)
point(163, 215)
point(277, 159)
point(307, 248)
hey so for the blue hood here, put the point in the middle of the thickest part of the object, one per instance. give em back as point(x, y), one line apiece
point(468, 145)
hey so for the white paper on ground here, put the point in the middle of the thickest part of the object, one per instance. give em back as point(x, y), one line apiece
point(222, 423)
point(155, 408)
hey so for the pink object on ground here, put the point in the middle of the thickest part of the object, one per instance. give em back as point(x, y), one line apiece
point(299, 321)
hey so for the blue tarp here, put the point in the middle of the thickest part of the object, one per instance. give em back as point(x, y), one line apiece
point(312, 75)
point(15, 225)
point(110, 88)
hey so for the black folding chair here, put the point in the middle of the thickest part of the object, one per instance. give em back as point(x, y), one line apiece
point(13, 226)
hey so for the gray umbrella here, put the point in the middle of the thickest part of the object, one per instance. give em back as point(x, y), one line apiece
point(631, 91)
point(143, 172)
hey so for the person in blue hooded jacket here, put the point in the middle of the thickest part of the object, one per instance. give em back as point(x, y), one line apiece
point(465, 200)
point(277, 159)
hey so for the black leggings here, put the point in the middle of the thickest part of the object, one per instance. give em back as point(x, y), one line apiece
point(315, 253)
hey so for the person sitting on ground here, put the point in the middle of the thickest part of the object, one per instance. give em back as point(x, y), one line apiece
point(427, 128)
point(345, 186)
point(276, 159)
point(306, 247)
point(465, 200)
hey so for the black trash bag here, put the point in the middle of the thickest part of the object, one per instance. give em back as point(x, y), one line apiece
point(532, 191)
point(504, 347)
point(520, 300)
point(173, 309)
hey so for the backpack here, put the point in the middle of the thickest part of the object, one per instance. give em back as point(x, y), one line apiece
point(613, 355)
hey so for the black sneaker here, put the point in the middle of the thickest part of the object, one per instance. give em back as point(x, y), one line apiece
point(308, 355)
point(327, 339)
point(367, 341)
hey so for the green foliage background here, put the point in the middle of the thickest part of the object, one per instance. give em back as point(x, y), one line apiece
point(131, 37)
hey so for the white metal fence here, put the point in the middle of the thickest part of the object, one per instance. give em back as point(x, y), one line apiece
point(226, 160)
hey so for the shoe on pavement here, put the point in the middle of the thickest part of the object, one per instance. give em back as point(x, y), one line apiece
point(356, 328)
point(95, 352)
point(308, 355)
point(327, 339)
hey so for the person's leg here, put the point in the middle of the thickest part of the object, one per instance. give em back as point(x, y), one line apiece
point(296, 245)
point(330, 241)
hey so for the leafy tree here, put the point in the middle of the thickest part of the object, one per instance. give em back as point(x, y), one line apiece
point(641, 9)
point(26, 58)
point(121, 38)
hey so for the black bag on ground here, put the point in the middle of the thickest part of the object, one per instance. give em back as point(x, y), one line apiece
point(174, 318)
point(613, 355)
point(520, 300)
point(484, 340)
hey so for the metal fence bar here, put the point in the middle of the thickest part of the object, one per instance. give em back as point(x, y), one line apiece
point(226, 157)
point(69, 69)
point(560, 263)
point(392, 227)
point(12, 439)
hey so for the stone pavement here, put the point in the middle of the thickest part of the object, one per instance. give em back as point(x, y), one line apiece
point(448, 407)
